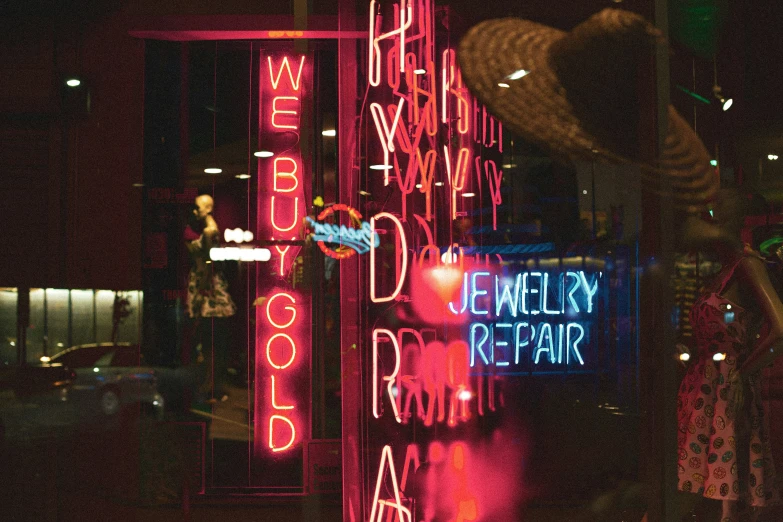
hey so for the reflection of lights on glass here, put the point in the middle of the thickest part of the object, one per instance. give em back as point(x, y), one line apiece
point(504, 85)
point(45, 359)
point(728, 307)
point(516, 75)
point(364, 193)
point(418, 185)
point(728, 317)
point(380, 167)
point(242, 176)
point(719, 356)
point(419, 71)
point(395, 391)
point(263, 154)
point(439, 183)
point(772, 157)
point(468, 194)
point(137, 185)
point(584, 192)
point(685, 356)
point(13, 343)
point(213, 170)
point(59, 345)
point(155, 403)
point(96, 370)
point(509, 166)
point(329, 133)
point(465, 395)
point(73, 82)
point(714, 163)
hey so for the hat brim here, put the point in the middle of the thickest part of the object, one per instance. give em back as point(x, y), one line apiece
point(537, 108)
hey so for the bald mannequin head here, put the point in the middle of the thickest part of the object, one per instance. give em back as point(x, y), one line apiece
point(204, 205)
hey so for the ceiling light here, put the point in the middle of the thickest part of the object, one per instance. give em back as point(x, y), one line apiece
point(468, 194)
point(364, 193)
point(418, 185)
point(242, 176)
point(516, 75)
point(509, 166)
point(45, 359)
point(212, 170)
point(380, 167)
point(504, 85)
point(685, 356)
point(138, 185)
point(726, 103)
point(439, 183)
point(330, 133)
point(719, 356)
point(73, 82)
point(419, 71)
point(263, 154)
point(772, 157)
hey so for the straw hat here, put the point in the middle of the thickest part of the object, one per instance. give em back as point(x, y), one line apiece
point(575, 94)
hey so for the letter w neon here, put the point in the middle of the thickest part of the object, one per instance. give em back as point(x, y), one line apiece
point(285, 65)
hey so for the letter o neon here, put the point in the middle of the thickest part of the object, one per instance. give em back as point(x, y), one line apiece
point(269, 353)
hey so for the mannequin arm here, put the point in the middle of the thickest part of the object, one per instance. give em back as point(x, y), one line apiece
point(753, 275)
point(211, 233)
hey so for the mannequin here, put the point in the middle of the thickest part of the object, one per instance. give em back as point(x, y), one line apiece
point(208, 296)
point(723, 441)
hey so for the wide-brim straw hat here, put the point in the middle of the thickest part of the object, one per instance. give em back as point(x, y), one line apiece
point(576, 95)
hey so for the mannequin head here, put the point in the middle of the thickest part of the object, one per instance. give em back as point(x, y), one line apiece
point(204, 205)
point(720, 233)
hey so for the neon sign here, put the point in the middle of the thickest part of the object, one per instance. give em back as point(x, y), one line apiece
point(563, 301)
point(282, 399)
point(351, 240)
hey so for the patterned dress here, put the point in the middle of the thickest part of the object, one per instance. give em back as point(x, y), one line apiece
point(713, 446)
point(207, 289)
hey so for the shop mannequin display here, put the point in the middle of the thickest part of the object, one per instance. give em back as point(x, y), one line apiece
point(723, 441)
point(208, 297)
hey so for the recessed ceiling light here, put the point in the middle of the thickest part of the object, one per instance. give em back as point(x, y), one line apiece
point(439, 183)
point(73, 82)
point(242, 176)
point(419, 71)
point(212, 170)
point(418, 185)
point(504, 85)
point(330, 133)
point(468, 194)
point(138, 185)
point(380, 167)
point(263, 154)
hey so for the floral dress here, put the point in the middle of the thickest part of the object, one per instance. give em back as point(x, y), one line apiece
point(710, 438)
point(207, 289)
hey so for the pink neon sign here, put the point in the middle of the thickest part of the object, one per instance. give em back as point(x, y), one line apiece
point(282, 400)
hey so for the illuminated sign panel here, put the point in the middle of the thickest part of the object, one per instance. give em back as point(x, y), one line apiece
point(283, 318)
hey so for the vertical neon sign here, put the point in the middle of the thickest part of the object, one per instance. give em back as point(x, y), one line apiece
point(282, 362)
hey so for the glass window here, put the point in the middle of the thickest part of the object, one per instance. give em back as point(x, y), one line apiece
point(83, 356)
point(56, 318)
point(82, 317)
point(7, 325)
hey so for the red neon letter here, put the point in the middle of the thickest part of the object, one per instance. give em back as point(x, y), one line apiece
point(388, 378)
point(404, 253)
point(294, 219)
point(287, 66)
point(290, 174)
point(402, 511)
point(276, 111)
point(269, 351)
point(289, 308)
point(274, 403)
point(272, 420)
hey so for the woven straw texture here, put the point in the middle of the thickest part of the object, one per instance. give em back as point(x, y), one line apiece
point(579, 96)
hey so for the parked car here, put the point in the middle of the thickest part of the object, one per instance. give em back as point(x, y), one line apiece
point(111, 377)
